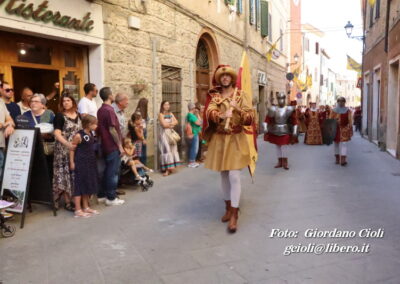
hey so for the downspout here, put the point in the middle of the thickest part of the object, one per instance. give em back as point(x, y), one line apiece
point(155, 113)
point(363, 65)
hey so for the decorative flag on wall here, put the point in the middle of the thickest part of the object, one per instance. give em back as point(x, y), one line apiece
point(353, 65)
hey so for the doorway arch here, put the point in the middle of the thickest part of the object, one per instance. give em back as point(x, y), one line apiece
point(207, 61)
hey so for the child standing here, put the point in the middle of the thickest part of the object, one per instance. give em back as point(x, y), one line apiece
point(83, 162)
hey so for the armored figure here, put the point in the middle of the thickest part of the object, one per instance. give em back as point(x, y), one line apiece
point(281, 124)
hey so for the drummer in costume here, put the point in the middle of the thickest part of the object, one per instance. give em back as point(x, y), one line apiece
point(282, 126)
point(344, 131)
point(228, 150)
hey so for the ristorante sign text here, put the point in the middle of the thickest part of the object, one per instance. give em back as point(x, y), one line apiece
point(41, 13)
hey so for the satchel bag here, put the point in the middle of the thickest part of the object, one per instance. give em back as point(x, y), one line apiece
point(172, 136)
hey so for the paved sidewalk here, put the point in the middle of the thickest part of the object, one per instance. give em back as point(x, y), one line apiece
point(172, 234)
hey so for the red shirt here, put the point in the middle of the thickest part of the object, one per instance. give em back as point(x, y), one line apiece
point(107, 118)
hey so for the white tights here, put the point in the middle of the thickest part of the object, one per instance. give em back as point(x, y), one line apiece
point(281, 151)
point(341, 148)
point(231, 187)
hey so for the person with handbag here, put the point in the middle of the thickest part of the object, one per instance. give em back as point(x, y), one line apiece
point(67, 123)
point(192, 132)
point(169, 139)
point(42, 118)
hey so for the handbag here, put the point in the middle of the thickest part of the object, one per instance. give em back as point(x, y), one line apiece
point(172, 136)
point(48, 148)
point(188, 130)
point(46, 128)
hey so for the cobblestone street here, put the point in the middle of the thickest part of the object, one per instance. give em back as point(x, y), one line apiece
point(172, 234)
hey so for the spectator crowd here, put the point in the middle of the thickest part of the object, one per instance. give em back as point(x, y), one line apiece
point(86, 146)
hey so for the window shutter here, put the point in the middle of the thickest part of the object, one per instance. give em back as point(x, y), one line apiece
point(258, 14)
point(239, 7)
point(252, 12)
point(378, 9)
point(371, 16)
point(264, 18)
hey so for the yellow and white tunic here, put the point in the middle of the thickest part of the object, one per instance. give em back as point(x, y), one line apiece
point(227, 150)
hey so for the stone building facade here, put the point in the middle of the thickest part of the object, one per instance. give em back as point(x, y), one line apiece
point(381, 81)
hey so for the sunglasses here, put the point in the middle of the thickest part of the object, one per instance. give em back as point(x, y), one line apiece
point(8, 90)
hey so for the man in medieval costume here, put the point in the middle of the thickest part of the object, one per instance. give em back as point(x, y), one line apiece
point(228, 148)
point(313, 133)
point(282, 128)
point(344, 130)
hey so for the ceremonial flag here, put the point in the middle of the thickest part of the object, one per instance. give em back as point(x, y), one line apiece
point(244, 84)
point(353, 65)
point(270, 52)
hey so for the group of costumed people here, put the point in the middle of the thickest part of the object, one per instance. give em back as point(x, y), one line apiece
point(227, 117)
point(314, 121)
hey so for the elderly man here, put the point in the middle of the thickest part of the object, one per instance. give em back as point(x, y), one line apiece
point(120, 104)
point(228, 149)
point(26, 96)
point(7, 94)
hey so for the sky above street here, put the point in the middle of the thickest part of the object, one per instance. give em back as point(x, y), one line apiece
point(331, 16)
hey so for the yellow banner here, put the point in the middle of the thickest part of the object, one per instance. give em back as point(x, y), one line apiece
point(245, 86)
point(353, 65)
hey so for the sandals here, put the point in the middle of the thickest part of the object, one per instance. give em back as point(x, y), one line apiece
point(81, 214)
point(69, 207)
point(91, 211)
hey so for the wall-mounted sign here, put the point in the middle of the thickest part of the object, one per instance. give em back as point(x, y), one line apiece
point(262, 78)
point(42, 13)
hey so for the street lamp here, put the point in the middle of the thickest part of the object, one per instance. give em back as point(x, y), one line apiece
point(296, 58)
point(349, 30)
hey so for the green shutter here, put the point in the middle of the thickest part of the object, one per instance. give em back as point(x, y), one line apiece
point(264, 18)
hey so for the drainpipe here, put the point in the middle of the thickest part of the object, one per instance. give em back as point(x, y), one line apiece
point(154, 93)
point(362, 68)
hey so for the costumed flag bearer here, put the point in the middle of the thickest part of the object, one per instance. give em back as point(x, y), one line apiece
point(344, 130)
point(228, 112)
point(281, 124)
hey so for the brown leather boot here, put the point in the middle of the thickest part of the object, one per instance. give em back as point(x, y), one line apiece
point(343, 161)
point(227, 215)
point(232, 226)
point(285, 163)
point(279, 164)
point(337, 159)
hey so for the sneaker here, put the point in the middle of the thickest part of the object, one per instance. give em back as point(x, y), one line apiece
point(101, 200)
point(116, 201)
point(193, 165)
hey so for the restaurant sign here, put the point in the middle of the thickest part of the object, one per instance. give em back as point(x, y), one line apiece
point(42, 13)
